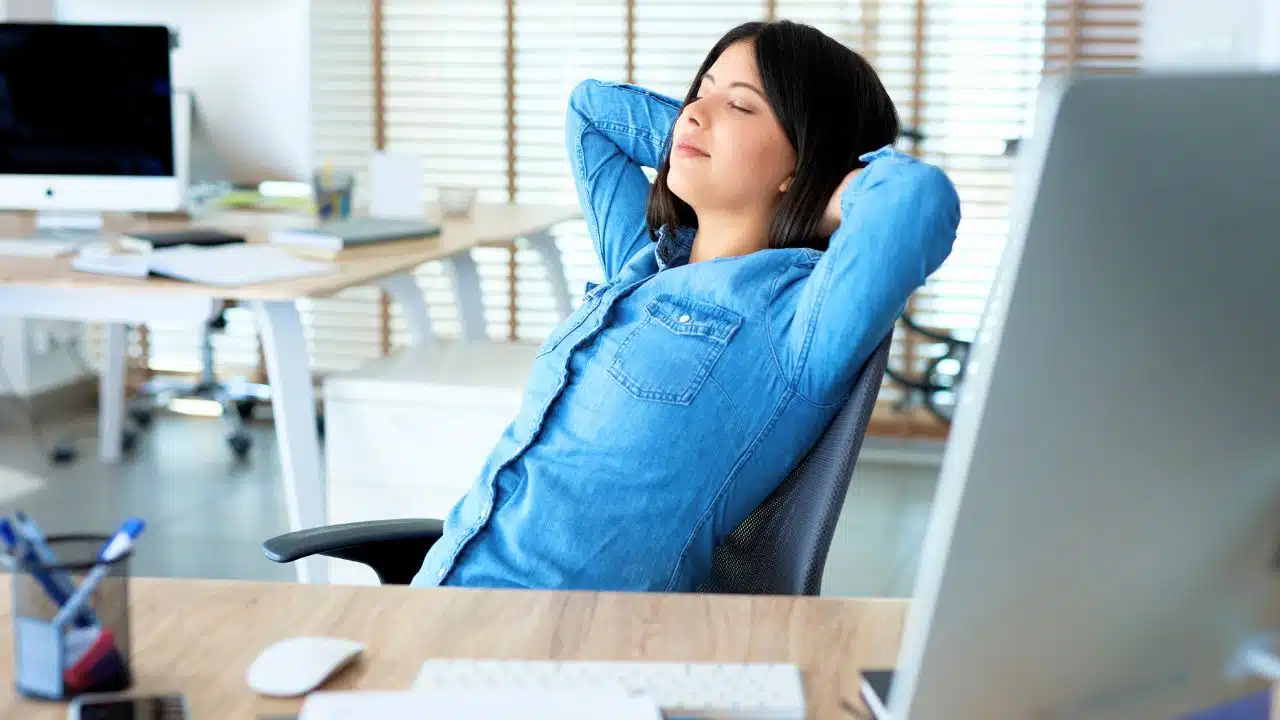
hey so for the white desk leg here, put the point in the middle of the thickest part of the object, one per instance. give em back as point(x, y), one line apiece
point(111, 390)
point(405, 291)
point(466, 288)
point(294, 407)
point(544, 243)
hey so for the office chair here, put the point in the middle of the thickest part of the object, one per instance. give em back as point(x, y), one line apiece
point(238, 399)
point(780, 549)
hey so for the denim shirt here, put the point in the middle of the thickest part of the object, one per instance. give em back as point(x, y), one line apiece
point(678, 396)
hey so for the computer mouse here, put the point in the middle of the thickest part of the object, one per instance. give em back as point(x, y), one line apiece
point(297, 666)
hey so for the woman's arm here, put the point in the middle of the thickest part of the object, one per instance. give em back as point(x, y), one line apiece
point(611, 131)
point(897, 222)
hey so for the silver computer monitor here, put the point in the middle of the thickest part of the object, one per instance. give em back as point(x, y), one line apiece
point(86, 118)
point(1106, 530)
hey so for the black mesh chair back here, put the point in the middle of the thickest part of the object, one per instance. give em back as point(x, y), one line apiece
point(781, 548)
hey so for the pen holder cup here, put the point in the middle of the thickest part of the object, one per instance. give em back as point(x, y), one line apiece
point(57, 659)
point(333, 191)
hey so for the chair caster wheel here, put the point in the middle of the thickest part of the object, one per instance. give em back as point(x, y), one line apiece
point(244, 408)
point(62, 454)
point(240, 445)
point(141, 416)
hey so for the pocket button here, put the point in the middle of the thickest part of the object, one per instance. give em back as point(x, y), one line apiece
point(685, 319)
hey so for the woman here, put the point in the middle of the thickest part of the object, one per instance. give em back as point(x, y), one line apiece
point(744, 290)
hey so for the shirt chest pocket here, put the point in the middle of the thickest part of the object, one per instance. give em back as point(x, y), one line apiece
point(669, 355)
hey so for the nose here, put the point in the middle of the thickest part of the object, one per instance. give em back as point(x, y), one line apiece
point(695, 114)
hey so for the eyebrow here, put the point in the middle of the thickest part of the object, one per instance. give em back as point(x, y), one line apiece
point(749, 86)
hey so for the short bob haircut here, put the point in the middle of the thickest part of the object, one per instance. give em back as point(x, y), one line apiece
point(832, 107)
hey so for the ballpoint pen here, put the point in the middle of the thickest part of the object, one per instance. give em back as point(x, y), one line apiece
point(117, 546)
point(28, 556)
point(43, 565)
point(9, 542)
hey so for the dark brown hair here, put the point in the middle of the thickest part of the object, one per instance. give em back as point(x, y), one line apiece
point(832, 108)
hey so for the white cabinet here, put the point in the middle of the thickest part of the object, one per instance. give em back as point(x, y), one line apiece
point(406, 435)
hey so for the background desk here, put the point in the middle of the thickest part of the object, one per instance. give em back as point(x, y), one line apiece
point(199, 636)
point(34, 287)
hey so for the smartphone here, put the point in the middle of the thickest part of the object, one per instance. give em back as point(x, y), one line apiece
point(129, 707)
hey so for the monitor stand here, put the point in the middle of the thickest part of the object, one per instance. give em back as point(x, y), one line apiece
point(68, 224)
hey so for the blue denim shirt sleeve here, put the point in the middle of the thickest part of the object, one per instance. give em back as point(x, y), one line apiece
point(612, 130)
point(898, 222)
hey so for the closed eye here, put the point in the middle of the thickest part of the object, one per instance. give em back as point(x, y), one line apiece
point(741, 108)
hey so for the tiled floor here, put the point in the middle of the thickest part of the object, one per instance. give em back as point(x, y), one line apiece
point(207, 513)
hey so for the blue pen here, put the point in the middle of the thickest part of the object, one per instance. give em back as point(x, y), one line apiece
point(117, 546)
point(38, 547)
point(27, 555)
point(42, 563)
point(9, 540)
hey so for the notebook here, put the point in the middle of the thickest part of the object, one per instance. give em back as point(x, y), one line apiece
point(230, 265)
point(202, 237)
point(222, 265)
point(334, 236)
point(37, 247)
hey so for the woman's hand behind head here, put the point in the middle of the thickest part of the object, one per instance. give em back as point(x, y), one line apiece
point(831, 216)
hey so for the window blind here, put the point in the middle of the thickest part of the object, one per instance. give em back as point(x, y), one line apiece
point(557, 44)
point(479, 92)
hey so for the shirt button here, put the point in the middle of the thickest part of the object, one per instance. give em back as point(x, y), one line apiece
point(685, 318)
point(440, 574)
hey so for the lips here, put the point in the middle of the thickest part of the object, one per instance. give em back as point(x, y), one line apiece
point(684, 148)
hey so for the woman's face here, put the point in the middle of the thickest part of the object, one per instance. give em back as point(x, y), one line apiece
point(728, 152)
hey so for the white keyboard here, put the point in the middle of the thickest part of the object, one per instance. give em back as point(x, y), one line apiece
point(706, 691)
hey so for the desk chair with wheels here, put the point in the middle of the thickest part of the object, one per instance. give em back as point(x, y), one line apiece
point(237, 398)
point(780, 549)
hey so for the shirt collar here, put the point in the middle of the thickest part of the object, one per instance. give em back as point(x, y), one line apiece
point(672, 250)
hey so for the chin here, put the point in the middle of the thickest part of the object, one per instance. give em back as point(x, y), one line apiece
point(681, 186)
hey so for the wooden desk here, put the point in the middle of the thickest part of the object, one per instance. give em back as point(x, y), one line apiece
point(492, 224)
point(200, 636)
point(36, 287)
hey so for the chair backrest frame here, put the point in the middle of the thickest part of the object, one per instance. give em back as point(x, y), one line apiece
point(781, 547)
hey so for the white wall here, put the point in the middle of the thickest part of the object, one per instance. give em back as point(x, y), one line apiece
point(249, 65)
point(1211, 32)
point(30, 361)
point(1270, 34)
point(26, 9)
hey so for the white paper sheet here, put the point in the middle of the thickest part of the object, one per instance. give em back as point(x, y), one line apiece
point(482, 705)
point(396, 188)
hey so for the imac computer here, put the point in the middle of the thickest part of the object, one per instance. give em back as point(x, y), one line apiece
point(1105, 537)
point(243, 71)
point(86, 122)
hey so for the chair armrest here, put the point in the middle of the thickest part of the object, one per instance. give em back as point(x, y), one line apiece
point(393, 548)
